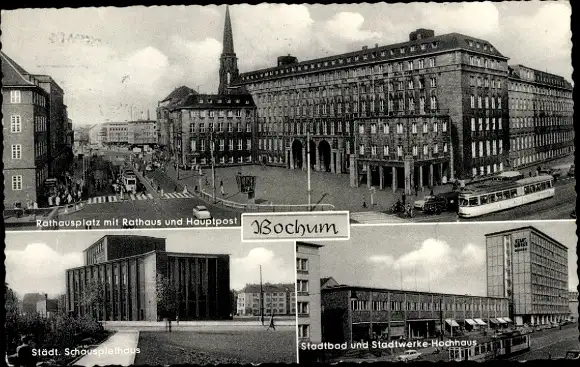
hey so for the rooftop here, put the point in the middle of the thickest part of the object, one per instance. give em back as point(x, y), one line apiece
point(355, 288)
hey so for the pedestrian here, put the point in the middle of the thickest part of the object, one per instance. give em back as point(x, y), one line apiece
point(50, 201)
point(176, 188)
point(185, 189)
point(404, 198)
point(364, 202)
point(271, 326)
point(158, 189)
point(169, 319)
point(177, 320)
point(222, 188)
point(57, 200)
point(431, 193)
point(24, 355)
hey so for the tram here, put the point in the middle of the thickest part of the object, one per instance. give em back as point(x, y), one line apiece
point(503, 347)
point(129, 180)
point(497, 196)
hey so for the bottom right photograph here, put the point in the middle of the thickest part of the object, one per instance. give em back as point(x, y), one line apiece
point(440, 292)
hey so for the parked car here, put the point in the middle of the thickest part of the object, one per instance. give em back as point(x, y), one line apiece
point(409, 355)
point(435, 204)
point(538, 328)
point(201, 212)
point(148, 168)
point(571, 171)
point(419, 204)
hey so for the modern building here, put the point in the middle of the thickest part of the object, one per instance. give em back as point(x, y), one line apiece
point(573, 304)
point(115, 133)
point(213, 126)
point(133, 278)
point(452, 79)
point(530, 269)
point(142, 132)
point(541, 112)
point(308, 296)
point(278, 299)
point(352, 314)
point(26, 155)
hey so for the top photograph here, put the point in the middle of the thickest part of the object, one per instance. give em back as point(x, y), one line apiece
point(189, 116)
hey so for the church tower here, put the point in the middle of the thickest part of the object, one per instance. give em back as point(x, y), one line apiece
point(228, 60)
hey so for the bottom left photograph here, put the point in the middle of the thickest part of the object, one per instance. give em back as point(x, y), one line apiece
point(157, 297)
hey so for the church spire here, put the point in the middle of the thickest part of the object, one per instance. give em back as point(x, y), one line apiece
point(228, 60)
point(228, 45)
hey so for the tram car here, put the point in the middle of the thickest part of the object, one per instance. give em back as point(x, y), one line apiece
point(504, 346)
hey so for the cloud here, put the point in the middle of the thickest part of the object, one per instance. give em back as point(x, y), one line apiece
point(246, 269)
point(200, 61)
point(38, 268)
point(478, 19)
point(433, 265)
point(347, 27)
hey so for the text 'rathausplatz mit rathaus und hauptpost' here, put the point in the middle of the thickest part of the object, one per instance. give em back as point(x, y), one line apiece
point(422, 112)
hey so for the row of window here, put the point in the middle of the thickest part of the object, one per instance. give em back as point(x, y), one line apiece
point(219, 101)
point(302, 265)
point(483, 62)
point(365, 305)
point(220, 113)
point(386, 129)
point(270, 144)
point(488, 127)
point(484, 82)
point(542, 105)
point(525, 122)
point(541, 156)
point(400, 153)
point(533, 141)
point(40, 148)
point(528, 88)
point(222, 160)
point(231, 145)
point(200, 127)
point(492, 147)
point(487, 170)
point(487, 99)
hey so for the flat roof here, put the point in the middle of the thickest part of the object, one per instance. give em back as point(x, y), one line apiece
point(532, 228)
point(373, 289)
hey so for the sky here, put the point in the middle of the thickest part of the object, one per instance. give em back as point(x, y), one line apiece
point(111, 61)
point(37, 263)
point(446, 258)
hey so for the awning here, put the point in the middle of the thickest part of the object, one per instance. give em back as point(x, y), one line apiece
point(495, 321)
point(452, 322)
point(470, 322)
point(507, 319)
point(501, 320)
point(480, 322)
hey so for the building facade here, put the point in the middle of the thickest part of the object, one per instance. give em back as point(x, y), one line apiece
point(352, 314)
point(452, 77)
point(573, 304)
point(278, 299)
point(164, 127)
point(115, 133)
point(142, 132)
point(308, 296)
point(132, 278)
point(541, 116)
point(26, 132)
point(530, 269)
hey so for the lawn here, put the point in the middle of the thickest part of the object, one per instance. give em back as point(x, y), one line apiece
point(214, 347)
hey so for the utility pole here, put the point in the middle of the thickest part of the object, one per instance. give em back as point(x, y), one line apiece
point(441, 326)
point(261, 296)
point(308, 163)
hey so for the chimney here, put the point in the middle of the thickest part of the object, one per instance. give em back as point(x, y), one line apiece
point(148, 115)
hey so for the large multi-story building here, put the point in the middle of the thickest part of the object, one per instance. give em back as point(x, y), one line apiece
point(134, 278)
point(218, 126)
point(142, 132)
point(115, 133)
point(352, 314)
point(308, 297)
point(541, 112)
point(27, 134)
point(529, 268)
point(453, 79)
point(278, 299)
point(164, 126)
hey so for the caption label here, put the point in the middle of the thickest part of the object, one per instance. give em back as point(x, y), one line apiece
point(297, 226)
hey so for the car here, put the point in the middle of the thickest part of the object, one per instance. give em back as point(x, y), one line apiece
point(201, 212)
point(409, 355)
point(538, 328)
point(148, 168)
point(419, 204)
point(435, 204)
point(571, 171)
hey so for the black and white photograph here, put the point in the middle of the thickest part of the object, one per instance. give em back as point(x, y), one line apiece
point(148, 297)
point(187, 116)
point(440, 292)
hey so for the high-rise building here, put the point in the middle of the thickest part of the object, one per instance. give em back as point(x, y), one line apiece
point(573, 304)
point(133, 278)
point(529, 268)
point(27, 135)
point(308, 297)
point(541, 116)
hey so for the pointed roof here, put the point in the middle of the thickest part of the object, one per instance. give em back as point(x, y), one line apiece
point(13, 74)
point(228, 44)
point(179, 93)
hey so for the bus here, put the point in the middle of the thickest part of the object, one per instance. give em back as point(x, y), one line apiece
point(502, 347)
point(497, 196)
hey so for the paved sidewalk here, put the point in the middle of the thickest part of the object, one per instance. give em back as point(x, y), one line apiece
point(119, 349)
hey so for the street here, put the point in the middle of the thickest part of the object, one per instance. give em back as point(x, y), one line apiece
point(552, 343)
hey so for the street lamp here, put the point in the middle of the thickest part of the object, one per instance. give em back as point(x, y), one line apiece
point(308, 163)
point(211, 149)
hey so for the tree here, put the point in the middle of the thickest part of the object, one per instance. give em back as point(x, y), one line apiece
point(167, 297)
point(94, 298)
point(10, 300)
